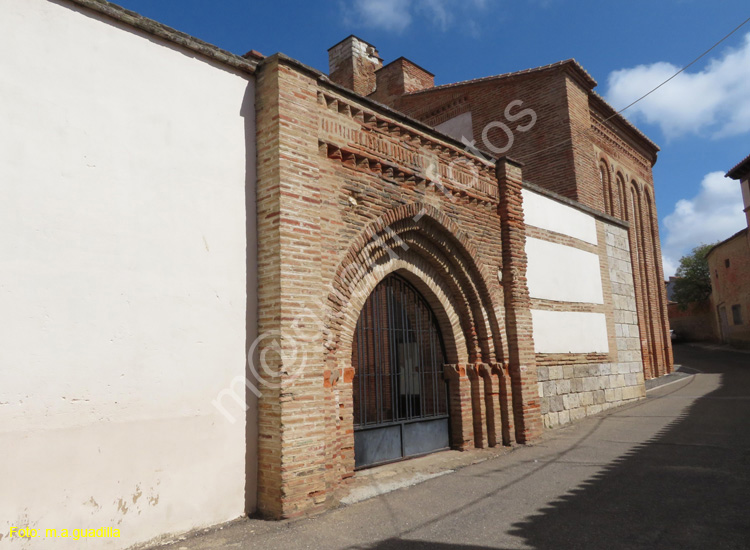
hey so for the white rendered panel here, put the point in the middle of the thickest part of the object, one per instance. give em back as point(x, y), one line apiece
point(545, 213)
point(569, 332)
point(563, 273)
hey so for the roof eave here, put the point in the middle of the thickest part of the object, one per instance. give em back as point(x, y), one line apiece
point(717, 245)
point(626, 126)
point(740, 170)
point(154, 28)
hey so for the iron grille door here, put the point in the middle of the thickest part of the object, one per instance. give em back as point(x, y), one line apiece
point(400, 396)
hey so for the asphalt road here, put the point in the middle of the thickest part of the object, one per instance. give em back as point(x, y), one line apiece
point(671, 471)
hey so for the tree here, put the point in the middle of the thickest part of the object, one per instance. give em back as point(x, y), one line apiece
point(693, 282)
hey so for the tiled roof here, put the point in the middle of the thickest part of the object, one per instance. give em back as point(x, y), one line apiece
point(569, 63)
point(740, 169)
point(572, 62)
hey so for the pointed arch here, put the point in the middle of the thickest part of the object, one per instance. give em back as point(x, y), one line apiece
point(605, 180)
point(424, 246)
point(435, 253)
point(660, 329)
point(622, 209)
point(641, 272)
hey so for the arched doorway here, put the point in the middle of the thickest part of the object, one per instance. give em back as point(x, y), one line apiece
point(400, 397)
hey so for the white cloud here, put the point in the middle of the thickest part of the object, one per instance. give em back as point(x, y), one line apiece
point(397, 15)
point(438, 11)
point(670, 268)
point(382, 14)
point(714, 101)
point(714, 214)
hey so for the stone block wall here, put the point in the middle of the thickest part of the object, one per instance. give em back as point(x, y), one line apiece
point(570, 392)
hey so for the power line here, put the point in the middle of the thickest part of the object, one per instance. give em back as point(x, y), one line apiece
point(686, 67)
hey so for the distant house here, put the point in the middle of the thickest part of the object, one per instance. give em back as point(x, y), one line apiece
point(729, 264)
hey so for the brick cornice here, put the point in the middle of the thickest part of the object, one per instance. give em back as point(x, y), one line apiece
point(627, 141)
point(398, 117)
point(365, 140)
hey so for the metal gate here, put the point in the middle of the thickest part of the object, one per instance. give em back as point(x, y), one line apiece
point(400, 396)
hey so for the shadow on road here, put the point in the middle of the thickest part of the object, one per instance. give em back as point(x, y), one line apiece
point(688, 486)
point(405, 544)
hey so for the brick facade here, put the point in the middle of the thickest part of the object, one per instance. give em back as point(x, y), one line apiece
point(349, 192)
point(342, 192)
point(346, 195)
point(729, 265)
point(578, 147)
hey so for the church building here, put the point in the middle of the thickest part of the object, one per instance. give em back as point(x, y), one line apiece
point(231, 282)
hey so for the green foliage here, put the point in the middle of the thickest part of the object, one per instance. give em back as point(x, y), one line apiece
point(693, 282)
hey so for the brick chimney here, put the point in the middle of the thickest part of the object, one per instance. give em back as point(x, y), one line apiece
point(352, 63)
point(400, 77)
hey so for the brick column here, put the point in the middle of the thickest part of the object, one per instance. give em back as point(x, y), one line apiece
point(292, 405)
point(518, 325)
point(492, 404)
point(478, 406)
point(505, 390)
point(459, 396)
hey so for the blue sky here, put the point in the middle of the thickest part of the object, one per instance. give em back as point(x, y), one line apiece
point(701, 119)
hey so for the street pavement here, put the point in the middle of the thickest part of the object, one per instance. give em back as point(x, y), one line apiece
point(670, 471)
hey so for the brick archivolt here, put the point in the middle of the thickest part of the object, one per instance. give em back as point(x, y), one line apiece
point(427, 247)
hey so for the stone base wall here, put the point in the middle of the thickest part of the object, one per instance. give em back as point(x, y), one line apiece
point(571, 391)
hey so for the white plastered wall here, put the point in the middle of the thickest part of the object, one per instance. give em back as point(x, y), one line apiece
point(561, 273)
point(546, 213)
point(124, 164)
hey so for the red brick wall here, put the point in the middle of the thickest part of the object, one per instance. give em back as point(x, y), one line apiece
point(564, 152)
point(352, 64)
point(731, 285)
point(398, 78)
point(696, 323)
point(545, 93)
point(348, 193)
